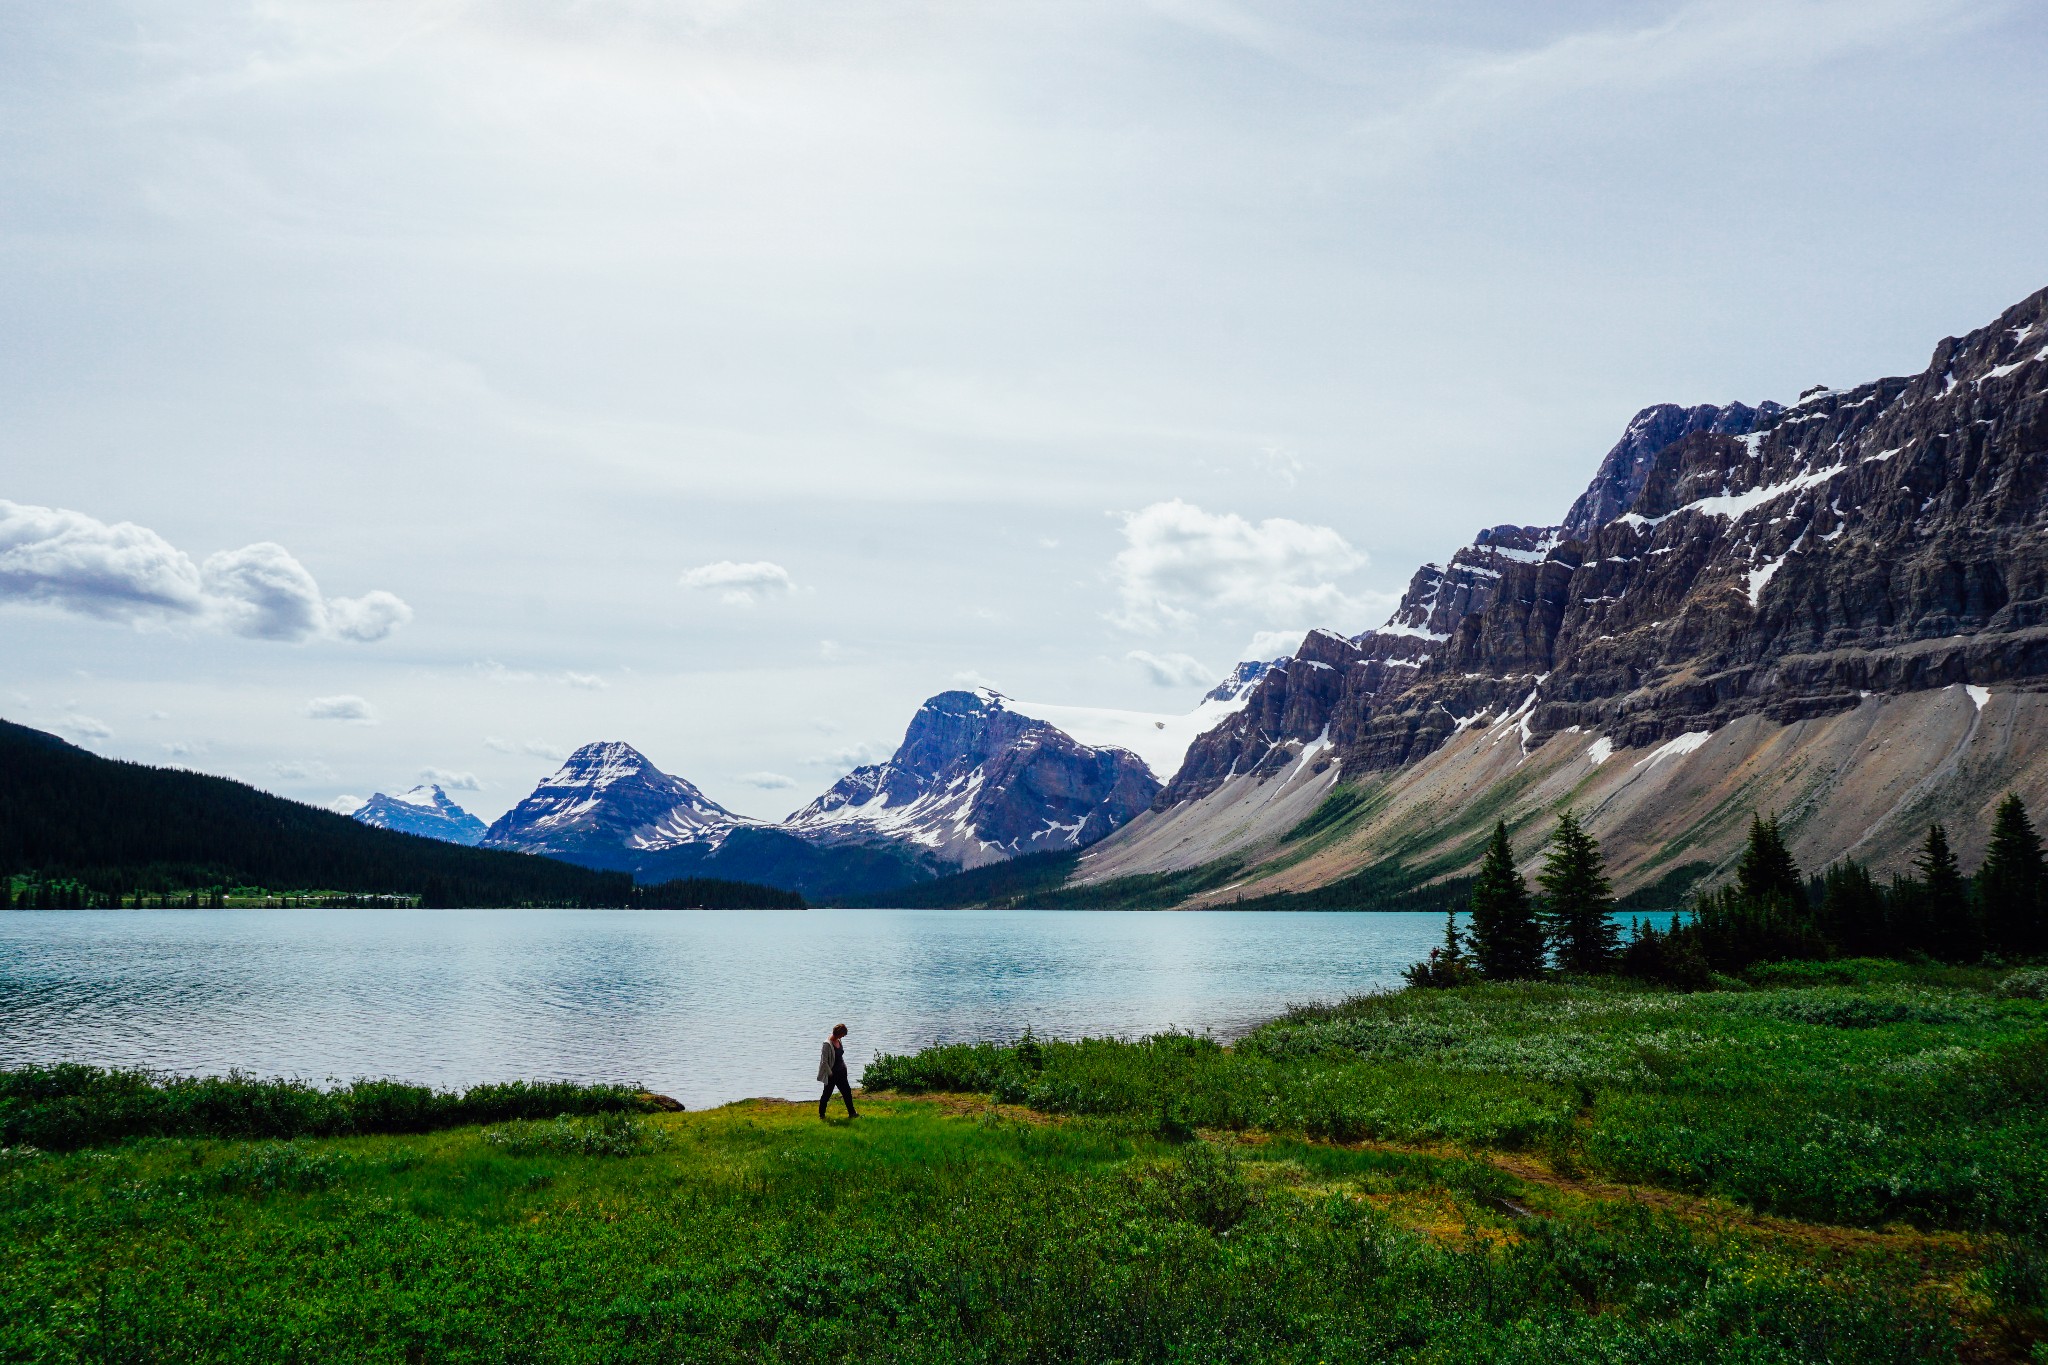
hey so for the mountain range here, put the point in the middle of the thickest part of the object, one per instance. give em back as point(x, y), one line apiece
point(1835, 609)
point(974, 781)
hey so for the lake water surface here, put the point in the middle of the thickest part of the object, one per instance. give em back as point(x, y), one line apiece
point(707, 1006)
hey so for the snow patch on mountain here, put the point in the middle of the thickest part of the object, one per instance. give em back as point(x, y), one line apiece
point(425, 810)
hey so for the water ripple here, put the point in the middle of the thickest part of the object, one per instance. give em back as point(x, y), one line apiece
point(708, 1006)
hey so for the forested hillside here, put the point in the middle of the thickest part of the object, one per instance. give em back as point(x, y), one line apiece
point(116, 828)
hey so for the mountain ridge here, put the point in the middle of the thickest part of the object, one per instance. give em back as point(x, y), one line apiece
point(1787, 563)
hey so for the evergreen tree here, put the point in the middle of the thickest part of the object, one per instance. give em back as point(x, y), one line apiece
point(1764, 916)
point(1447, 966)
point(1577, 900)
point(1946, 930)
point(1767, 872)
point(2010, 884)
point(1507, 940)
point(1852, 912)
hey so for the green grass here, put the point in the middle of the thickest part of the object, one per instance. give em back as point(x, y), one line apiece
point(1843, 1165)
point(756, 1233)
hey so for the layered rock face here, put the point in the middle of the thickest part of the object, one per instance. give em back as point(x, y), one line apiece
point(424, 810)
point(975, 782)
point(1784, 563)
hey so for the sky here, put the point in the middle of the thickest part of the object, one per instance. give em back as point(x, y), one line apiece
point(414, 391)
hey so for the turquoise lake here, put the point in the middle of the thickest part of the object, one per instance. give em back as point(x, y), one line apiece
point(707, 1006)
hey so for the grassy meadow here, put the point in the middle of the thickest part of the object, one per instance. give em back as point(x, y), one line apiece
point(1837, 1163)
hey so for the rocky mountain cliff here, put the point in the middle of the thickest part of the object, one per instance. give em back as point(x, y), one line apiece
point(424, 810)
point(975, 782)
point(1784, 563)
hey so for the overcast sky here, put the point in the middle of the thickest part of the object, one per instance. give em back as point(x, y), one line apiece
point(394, 389)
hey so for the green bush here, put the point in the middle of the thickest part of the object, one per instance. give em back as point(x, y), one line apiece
point(2030, 984)
point(68, 1106)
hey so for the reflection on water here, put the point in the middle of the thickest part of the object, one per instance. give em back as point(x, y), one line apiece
point(707, 1006)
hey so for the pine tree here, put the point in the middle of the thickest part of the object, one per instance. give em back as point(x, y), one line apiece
point(1577, 900)
point(1852, 913)
point(2010, 884)
point(1507, 940)
point(1946, 930)
point(1767, 872)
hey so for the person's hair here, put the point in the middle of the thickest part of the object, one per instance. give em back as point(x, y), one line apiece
point(839, 1030)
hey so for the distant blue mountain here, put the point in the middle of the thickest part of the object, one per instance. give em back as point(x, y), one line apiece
point(425, 811)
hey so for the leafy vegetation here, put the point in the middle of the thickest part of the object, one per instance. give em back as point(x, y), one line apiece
point(926, 1232)
point(58, 1108)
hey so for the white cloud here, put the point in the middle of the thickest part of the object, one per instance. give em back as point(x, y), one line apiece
point(455, 782)
point(851, 756)
point(1713, 40)
point(178, 748)
point(347, 805)
point(1180, 564)
point(768, 782)
point(1267, 645)
point(739, 584)
point(1170, 670)
point(973, 677)
point(1281, 464)
point(353, 710)
point(500, 674)
point(84, 729)
point(588, 682)
point(301, 772)
point(124, 572)
point(368, 618)
point(535, 748)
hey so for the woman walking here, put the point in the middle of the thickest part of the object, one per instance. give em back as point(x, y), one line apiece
point(832, 1071)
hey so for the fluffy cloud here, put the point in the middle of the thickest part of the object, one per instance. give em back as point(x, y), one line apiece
point(739, 584)
point(1180, 563)
point(1272, 644)
point(454, 782)
point(588, 682)
point(1170, 670)
point(353, 710)
point(347, 805)
point(768, 782)
point(124, 572)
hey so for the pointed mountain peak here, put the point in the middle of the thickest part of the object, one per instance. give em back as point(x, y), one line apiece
point(425, 810)
point(602, 764)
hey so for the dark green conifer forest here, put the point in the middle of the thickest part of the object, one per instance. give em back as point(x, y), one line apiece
point(81, 831)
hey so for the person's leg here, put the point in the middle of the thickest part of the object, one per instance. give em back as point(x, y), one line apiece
point(846, 1093)
point(824, 1099)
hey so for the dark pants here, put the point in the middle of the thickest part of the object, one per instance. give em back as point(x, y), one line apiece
point(840, 1083)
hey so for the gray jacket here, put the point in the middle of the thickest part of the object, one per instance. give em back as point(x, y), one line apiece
point(828, 1061)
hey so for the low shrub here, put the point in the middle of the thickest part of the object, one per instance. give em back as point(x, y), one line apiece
point(64, 1107)
point(2028, 984)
